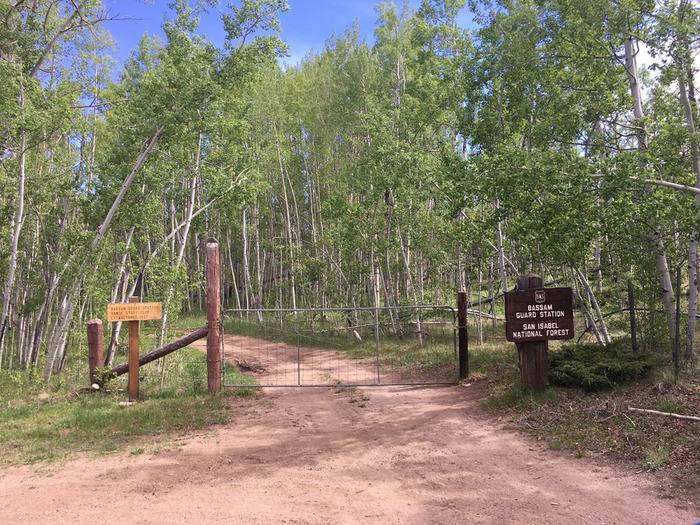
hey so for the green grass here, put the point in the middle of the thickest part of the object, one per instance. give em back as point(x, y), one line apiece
point(656, 458)
point(670, 404)
point(492, 359)
point(516, 397)
point(97, 424)
point(48, 423)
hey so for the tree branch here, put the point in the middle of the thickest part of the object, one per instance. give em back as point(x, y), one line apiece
point(141, 159)
point(66, 27)
point(661, 182)
point(668, 184)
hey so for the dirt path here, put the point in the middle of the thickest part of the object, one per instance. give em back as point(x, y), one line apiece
point(396, 455)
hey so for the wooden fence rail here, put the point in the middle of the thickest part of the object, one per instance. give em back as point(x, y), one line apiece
point(162, 351)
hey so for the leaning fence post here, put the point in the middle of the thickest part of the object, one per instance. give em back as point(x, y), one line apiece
point(213, 317)
point(96, 347)
point(463, 335)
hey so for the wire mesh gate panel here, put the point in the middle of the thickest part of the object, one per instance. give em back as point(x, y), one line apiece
point(406, 345)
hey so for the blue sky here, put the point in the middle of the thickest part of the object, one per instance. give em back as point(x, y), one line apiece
point(305, 27)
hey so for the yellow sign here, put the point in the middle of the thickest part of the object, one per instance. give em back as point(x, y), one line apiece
point(134, 312)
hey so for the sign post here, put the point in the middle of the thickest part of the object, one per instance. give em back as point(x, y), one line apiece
point(134, 312)
point(134, 329)
point(535, 315)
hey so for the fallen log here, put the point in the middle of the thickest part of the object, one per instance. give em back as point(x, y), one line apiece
point(667, 414)
point(161, 351)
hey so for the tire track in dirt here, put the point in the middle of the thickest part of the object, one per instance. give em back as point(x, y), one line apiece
point(410, 455)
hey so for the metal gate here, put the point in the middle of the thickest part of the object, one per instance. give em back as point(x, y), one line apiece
point(365, 346)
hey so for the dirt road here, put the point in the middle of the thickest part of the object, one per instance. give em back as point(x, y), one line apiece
point(397, 455)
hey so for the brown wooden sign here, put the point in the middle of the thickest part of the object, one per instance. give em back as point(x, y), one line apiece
point(134, 312)
point(539, 315)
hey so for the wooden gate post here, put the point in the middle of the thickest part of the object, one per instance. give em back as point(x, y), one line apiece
point(532, 356)
point(96, 347)
point(463, 335)
point(134, 328)
point(213, 317)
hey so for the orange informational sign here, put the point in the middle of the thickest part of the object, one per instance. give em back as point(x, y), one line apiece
point(134, 312)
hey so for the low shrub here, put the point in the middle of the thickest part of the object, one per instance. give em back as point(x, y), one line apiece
point(595, 368)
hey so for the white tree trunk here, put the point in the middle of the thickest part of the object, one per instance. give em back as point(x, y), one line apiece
point(603, 328)
point(258, 264)
point(233, 271)
point(409, 278)
point(664, 275)
point(183, 242)
point(684, 89)
point(14, 239)
point(501, 256)
point(246, 265)
point(586, 312)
